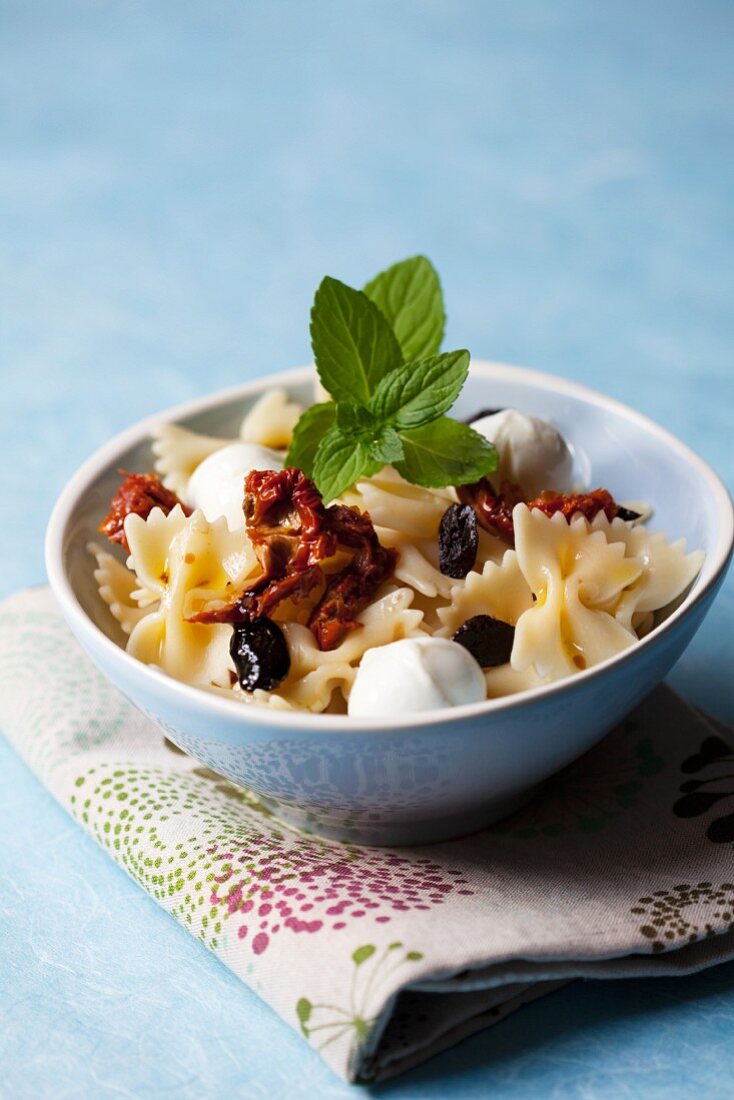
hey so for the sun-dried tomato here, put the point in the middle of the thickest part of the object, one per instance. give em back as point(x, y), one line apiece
point(349, 591)
point(568, 504)
point(292, 533)
point(138, 495)
point(494, 510)
point(286, 522)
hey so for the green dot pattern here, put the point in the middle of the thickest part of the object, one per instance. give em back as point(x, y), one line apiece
point(134, 813)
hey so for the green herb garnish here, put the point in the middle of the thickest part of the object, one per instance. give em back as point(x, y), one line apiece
point(410, 297)
point(377, 354)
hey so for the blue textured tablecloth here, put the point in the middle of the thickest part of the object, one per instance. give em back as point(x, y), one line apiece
point(177, 177)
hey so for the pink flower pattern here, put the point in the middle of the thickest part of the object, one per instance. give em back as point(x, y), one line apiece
point(303, 885)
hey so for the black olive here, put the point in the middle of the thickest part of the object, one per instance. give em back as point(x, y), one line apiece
point(481, 414)
point(627, 514)
point(260, 654)
point(458, 540)
point(488, 640)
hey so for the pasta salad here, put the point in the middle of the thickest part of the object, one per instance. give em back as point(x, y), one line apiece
point(369, 554)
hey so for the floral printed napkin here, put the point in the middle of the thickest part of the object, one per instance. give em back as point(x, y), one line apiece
point(380, 958)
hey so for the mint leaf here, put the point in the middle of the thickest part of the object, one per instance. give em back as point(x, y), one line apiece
point(418, 393)
point(339, 462)
point(387, 447)
point(360, 426)
point(353, 345)
point(355, 420)
point(409, 295)
point(445, 452)
point(311, 428)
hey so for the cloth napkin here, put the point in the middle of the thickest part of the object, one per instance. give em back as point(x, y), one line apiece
point(381, 958)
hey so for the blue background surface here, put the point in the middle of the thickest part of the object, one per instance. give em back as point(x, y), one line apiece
point(177, 178)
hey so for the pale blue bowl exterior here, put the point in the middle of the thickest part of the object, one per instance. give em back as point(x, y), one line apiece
point(443, 774)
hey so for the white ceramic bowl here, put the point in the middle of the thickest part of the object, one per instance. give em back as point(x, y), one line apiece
point(431, 776)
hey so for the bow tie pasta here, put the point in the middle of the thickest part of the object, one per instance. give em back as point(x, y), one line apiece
point(667, 570)
point(576, 577)
point(120, 589)
point(588, 579)
point(178, 452)
point(186, 562)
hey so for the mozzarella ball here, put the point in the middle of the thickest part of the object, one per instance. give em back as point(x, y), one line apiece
point(217, 485)
point(415, 674)
point(531, 452)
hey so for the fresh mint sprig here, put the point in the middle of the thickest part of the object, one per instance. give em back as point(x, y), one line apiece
point(417, 393)
point(409, 295)
point(352, 341)
point(312, 426)
point(376, 353)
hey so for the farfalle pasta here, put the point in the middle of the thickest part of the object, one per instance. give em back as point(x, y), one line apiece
point(500, 590)
point(183, 563)
point(577, 578)
point(667, 569)
point(178, 452)
point(120, 589)
point(271, 420)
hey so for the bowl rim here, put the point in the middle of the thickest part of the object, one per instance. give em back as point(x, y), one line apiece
point(296, 721)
